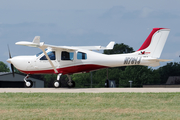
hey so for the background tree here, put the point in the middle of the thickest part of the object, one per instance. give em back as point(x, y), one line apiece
point(170, 69)
point(99, 77)
point(49, 79)
point(4, 67)
point(82, 80)
point(119, 49)
point(139, 75)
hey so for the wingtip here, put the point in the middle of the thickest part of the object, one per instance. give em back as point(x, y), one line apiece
point(110, 45)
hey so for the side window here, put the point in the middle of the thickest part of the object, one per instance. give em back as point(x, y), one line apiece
point(67, 55)
point(81, 56)
point(51, 55)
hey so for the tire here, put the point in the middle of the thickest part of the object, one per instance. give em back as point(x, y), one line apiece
point(56, 84)
point(71, 84)
point(29, 83)
point(107, 83)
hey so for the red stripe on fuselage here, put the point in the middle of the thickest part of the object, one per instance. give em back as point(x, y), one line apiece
point(149, 38)
point(68, 70)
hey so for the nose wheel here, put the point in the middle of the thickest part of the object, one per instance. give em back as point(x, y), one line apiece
point(29, 83)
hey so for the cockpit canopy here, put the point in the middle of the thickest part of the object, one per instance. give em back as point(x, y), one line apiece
point(51, 55)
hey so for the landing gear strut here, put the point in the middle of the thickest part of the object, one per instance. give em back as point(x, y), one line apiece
point(28, 83)
point(57, 82)
point(70, 83)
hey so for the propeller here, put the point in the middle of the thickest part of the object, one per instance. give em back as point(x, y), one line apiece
point(12, 67)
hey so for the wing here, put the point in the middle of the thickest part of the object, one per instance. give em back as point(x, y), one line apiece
point(36, 43)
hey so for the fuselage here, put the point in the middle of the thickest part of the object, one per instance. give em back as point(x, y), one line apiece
point(69, 62)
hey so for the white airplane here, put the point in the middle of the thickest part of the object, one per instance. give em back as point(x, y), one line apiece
point(67, 60)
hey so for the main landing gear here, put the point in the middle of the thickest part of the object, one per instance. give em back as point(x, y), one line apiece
point(28, 83)
point(57, 83)
point(70, 83)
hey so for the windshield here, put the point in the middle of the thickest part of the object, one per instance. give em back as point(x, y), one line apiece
point(51, 55)
point(40, 53)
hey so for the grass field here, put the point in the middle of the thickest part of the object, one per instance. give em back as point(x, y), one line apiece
point(89, 106)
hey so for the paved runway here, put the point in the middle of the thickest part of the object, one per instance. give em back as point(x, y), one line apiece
point(87, 90)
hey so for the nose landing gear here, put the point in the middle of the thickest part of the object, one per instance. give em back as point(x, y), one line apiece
point(28, 83)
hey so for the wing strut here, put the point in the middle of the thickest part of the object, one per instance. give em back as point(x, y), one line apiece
point(49, 59)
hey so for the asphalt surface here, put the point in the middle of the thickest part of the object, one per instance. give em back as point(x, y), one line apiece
point(87, 90)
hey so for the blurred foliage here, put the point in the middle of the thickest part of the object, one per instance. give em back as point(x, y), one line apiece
point(170, 69)
point(119, 49)
point(4, 67)
point(139, 75)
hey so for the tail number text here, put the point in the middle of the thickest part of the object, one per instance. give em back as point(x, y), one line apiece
point(132, 60)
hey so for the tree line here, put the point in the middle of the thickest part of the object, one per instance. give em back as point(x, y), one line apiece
point(121, 75)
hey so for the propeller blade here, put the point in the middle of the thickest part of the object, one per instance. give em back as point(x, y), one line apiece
point(9, 52)
point(12, 67)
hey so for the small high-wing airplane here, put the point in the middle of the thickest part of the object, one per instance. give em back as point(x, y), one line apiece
point(68, 60)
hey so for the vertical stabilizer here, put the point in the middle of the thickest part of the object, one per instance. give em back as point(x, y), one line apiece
point(155, 42)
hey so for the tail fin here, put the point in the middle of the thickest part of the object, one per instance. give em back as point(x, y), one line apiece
point(155, 42)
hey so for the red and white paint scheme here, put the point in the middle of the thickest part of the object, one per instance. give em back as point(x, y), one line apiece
point(69, 60)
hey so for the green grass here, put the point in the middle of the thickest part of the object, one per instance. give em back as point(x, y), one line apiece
point(88, 106)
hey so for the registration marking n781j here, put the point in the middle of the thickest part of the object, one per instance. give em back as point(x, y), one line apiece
point(132, 60)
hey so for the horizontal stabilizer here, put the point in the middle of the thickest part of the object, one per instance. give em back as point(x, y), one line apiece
point(159, 60)
point(155, 64)
point(164, 60)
